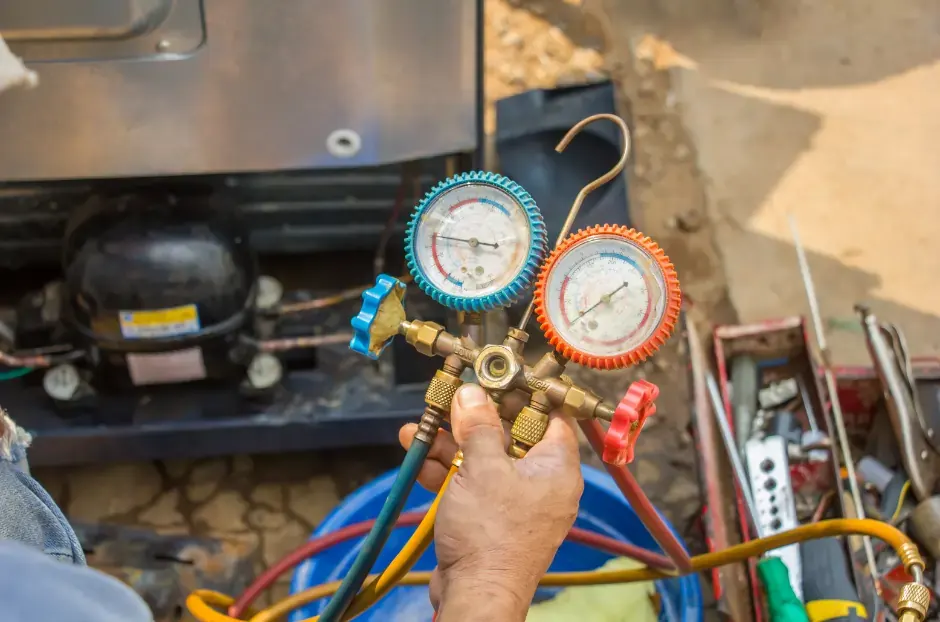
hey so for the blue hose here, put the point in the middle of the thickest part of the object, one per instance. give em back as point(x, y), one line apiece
point(10, 374)
point(373, 543)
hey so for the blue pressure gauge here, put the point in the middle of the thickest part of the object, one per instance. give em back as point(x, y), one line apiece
point(475, 242)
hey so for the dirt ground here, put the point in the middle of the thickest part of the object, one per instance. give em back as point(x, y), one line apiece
point(741, 111)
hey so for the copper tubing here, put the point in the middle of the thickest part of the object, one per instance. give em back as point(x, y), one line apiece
point(37, 360)
point(331, 300)
point(638, 500)
point(296, 343)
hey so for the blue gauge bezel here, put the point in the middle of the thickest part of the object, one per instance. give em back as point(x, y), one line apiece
point(522, 281)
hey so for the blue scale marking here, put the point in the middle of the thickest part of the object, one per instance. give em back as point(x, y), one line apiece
point(454, 281)
point(495, 204)
point(622, 258)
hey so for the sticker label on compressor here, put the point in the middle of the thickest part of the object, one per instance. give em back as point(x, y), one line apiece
point(158, 323)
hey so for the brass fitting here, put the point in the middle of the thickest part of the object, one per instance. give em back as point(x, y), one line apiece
point(430, 423)
point(913, 601)
point(579, 403)
point(911, 559)
point(529, 426)
point(422, 335)
point(497, 368)
point(442, 389)
point(516, 340)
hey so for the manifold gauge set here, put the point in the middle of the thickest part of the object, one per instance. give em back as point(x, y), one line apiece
point(606, 297)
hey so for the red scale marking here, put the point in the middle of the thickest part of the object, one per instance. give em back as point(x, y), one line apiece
point(437, 260)
point(434, 253)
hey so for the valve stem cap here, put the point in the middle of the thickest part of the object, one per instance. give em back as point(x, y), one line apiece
point(913, 601)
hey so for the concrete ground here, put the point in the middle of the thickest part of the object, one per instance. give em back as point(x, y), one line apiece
point(827, 111)
point(741, 113)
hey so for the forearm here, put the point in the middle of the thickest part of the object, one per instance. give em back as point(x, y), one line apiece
point(484, 599)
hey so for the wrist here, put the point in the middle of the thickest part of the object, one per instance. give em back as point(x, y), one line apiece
point(486, 596)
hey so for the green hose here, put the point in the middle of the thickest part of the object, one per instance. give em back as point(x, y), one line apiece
point(373, 543)
point(12, 374)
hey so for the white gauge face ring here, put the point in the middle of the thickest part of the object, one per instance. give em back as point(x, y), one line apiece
point(473, 240)
point(605, 296)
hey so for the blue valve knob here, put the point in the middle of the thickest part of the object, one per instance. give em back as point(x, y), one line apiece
point(382, 311)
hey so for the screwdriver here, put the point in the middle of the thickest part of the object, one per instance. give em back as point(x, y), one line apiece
point(827, 583)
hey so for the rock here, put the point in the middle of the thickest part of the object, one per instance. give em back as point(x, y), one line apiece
point(277, 544)
point(682, 152)
point(262, 518)
point(271, 495)
point(163, 512)
point(313, 499)
point(205, 479)
point(223, 513)
point(512, 39)
point(691, 221)
point(101, 491)
point(646, 471)
point(242, 465)
point(682, 490)
point(177, 468)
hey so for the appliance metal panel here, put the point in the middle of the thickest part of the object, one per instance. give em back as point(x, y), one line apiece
point(268, 84)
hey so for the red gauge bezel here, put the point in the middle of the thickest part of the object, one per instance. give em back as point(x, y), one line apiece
point(658, 337)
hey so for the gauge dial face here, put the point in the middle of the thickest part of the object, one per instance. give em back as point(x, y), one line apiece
point(605, 296)
point(473, 240)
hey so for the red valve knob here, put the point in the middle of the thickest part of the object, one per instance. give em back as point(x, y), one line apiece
point(636, 406)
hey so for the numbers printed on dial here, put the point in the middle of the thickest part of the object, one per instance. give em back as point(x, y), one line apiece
point(473, 240)
point(605, 296)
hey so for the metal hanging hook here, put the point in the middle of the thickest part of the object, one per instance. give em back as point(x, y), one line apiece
point(589, 188)
point(603, 179)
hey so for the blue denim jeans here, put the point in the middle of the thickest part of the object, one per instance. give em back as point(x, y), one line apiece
point(44, 576)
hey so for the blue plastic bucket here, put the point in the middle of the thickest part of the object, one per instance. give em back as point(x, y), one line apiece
point(603, 510)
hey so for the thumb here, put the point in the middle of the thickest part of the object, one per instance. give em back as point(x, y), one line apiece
point(475, 422)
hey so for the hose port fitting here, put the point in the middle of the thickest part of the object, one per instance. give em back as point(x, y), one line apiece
point(442, 389)
point(913, 601)
point(497, 368)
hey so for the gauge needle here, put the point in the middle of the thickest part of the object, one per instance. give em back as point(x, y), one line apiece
point(473, 242)
point(605, 298)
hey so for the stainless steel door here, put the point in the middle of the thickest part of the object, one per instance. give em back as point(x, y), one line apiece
point(166, 87)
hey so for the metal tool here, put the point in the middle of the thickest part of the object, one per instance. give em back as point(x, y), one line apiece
point(588, 189)
point(745, 385)
point(832, 389)
point(772, 569)
point(774, 504)
point(727, 436)
point(914, 436)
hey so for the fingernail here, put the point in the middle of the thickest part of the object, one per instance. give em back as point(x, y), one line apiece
point(471, 395)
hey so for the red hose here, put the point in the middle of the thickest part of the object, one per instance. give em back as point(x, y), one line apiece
point(410, 519)
point(639, 501)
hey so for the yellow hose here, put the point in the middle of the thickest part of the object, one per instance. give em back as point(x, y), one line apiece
point(198, 602)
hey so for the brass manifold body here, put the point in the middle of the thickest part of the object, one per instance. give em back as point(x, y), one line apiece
point(500, 369)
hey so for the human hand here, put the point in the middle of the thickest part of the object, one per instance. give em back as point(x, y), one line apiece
point(501, 520)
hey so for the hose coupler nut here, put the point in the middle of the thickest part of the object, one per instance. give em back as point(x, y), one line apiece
point(527, 430)
point(913, 601)
point(441, 390)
